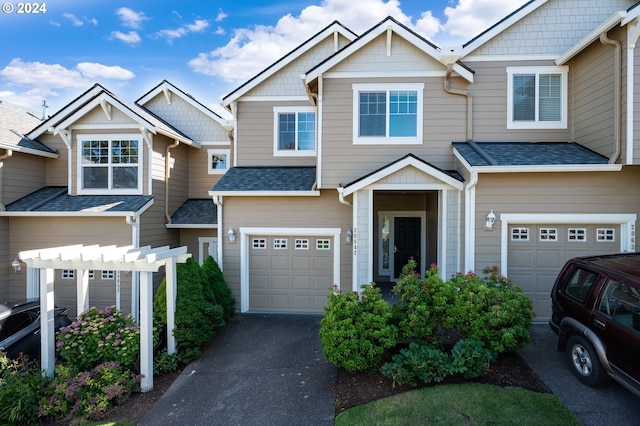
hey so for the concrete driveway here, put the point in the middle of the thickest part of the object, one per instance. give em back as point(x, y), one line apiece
point(262, 370)
point(610, 405)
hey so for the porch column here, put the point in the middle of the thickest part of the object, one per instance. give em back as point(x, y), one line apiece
point(82, 290)
point(47, 329)
point(146, 331)
point(32, 283)
point(171, 287)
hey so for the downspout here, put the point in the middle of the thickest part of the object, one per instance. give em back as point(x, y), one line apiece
point(167, 157)
point(217, 200)
point(633, 32)
point(604, 39)
point(234, 114)
point(448, 89)
point(4, 156)
point(341, 197)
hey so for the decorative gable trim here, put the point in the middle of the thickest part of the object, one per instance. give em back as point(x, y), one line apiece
point(388, 27)
point(501, 26)
point(332, 30)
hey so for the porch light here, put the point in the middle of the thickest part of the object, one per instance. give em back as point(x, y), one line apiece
point(231, 234)
point(491, 219)
point(349, 235)
point(17, 265)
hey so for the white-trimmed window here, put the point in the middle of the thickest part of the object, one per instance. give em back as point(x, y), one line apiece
point(301, 244)
point(108, 275)
point(259, 243)
point(68, 274)
point(519, 234)
point(92, 274)
point(548, 234)
point(605, 235)
point(109, 164)
point(577, 234)
point(323, 244)
point(537, 97)
point(384, 113)
point(280, 243)
point(294, 131)
point(218, 161)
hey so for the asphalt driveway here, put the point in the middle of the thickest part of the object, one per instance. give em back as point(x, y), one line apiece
point(262, 370)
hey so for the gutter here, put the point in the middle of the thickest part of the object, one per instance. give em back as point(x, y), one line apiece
point(605, 40)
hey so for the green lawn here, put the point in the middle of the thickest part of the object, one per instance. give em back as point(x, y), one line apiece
point(463, 404)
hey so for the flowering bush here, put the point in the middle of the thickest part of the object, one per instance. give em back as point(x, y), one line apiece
point(86, 394)
point(98, 336)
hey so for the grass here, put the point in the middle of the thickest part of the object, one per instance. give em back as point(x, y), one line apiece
point(462, 404)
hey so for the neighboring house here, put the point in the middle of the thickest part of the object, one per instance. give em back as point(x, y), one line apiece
point(116, 173)
point(353, 154)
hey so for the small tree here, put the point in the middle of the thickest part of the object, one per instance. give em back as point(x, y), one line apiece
point(215, 280)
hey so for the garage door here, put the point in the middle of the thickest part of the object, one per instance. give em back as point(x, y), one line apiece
point(289, 274)
point(538, 252)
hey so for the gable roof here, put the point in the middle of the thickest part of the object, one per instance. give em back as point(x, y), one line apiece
point(14, 122)
point(56, 201)
point(265, 180)
point(530, 156)
point(389, 23)
point(451, 178)
point(167, 88)
point(500, 26)
point(335, 27)
point(99, 96)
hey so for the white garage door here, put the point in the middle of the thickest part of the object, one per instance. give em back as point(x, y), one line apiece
point(538, 252)
point(289, 273)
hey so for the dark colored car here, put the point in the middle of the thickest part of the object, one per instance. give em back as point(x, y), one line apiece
point(596, 315)
point(20, 327)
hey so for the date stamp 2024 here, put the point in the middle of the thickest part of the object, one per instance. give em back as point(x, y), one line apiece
point(24, 8)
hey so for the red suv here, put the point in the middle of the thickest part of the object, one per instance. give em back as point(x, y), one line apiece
point(596, 315)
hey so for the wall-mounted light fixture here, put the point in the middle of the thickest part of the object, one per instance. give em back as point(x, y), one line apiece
point(231, 234)
point(349, 235)
point(491, 219)
point(17, 265)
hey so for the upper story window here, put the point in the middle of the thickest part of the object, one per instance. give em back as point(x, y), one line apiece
point(537, 97)
point(384, 113)
point(294, 131)
point(109, 164)
point(218, 161)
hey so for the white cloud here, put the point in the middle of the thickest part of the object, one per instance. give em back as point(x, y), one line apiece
point(74, 20)
point(251, 50)
point(219, 31)
point(198, 26)
point(94, 70)
point(38, 74)
point(221, 16)
point(131, 37)
point(130, 18)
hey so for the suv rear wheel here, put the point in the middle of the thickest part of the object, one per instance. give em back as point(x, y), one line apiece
point(584, 362)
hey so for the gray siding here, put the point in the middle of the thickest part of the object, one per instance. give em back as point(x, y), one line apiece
point(20, 175)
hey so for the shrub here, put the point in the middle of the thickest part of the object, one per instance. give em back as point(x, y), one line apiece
point(87, 394)
point(21, 384)
point(356, 331)
point(197, 317)
point(98, 336)
point(470, 359)
point(222, 293)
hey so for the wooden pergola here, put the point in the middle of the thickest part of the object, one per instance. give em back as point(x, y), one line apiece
point(82, 259)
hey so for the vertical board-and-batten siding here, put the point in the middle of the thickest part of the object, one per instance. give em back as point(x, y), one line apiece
point(534, 193)
point(553, 28)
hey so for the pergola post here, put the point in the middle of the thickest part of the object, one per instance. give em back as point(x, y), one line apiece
point(82, 290)
point(171, 287)
point(146, 331)
point(47, 329)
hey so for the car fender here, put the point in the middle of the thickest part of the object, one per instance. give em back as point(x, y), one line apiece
point(578, 327)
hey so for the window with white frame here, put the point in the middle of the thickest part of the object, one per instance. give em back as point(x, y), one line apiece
point(259, 243)
point(548, 234)
point(519, 234)
point(323, 244)
point(280, 243)
point(301, 244)
point(605, 235)
point(577, 234)
point(294, 131)
point(537, 97)
point(68, 274)
point(218, 161)
point(108, 275)
point(109, 164)
point(384, 113)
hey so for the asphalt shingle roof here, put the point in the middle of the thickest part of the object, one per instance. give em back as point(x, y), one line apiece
point(56, 199)
point(527, 153)
point(15, 121)
point(196, 212)
point(267, 179)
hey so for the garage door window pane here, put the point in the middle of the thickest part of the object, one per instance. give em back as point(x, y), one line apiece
point(302, 244)
point(548, 234)
point(259, 243)
point(519, 234)
point(323, 244)
point(280, 243)
point(577, 234)
point(606, 235)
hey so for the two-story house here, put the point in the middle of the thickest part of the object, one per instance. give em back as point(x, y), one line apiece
point(354, 153)
point(106, 171)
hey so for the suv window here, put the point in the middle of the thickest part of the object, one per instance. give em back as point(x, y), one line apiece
point(14, 324)
point(580, 284)
point(621, 303)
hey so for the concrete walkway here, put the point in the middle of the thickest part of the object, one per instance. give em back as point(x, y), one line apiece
point(262, 370)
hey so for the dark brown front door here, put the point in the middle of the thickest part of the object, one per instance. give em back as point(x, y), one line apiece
point(406, 243)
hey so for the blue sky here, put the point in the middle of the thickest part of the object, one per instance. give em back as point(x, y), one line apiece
point(205, 47)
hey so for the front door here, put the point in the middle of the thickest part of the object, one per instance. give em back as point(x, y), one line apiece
point(407, 242)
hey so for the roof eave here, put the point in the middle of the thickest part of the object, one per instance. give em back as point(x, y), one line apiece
point(30, 151)
point(554, 168)
point(191, 226)
point(264, 193)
